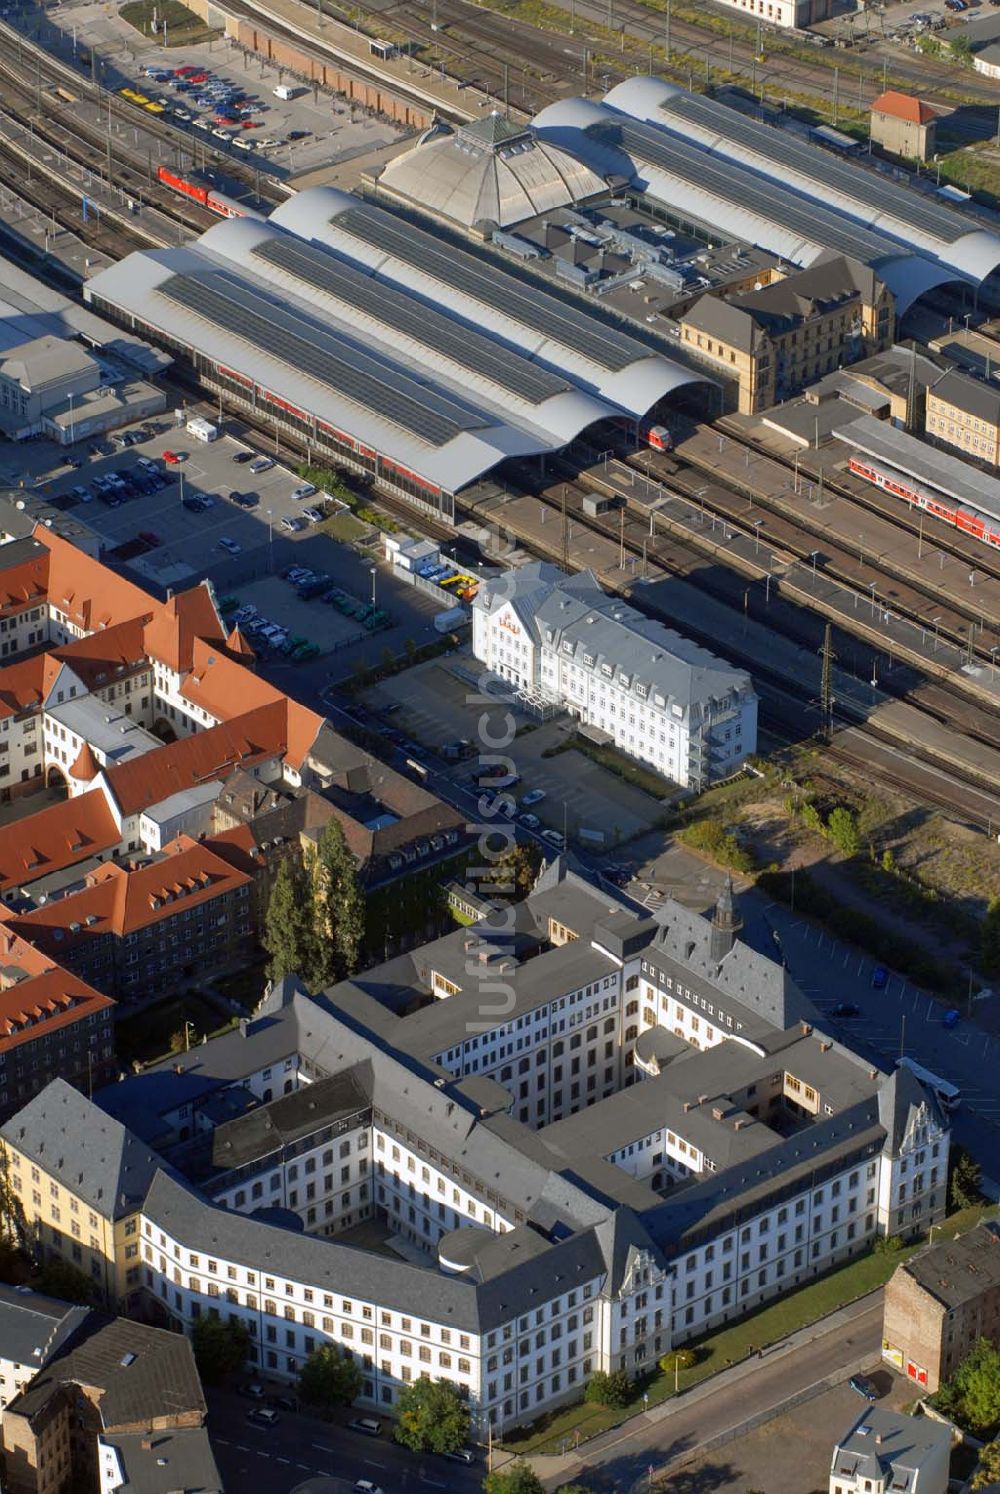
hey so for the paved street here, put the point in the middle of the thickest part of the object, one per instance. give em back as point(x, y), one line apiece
point(620, 1460)
point(273, 1460)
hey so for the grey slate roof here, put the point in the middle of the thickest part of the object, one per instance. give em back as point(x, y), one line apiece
point(900, 1101)
point(578, 612)
point(33, 1327)
point(95, 1156)
point(972, 396)
point(887, 1445)
point(177, 1460)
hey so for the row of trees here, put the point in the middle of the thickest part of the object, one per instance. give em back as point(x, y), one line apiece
point(315, 921)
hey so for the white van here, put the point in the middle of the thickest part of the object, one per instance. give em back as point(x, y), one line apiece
point(203, 430)
point(286, 91)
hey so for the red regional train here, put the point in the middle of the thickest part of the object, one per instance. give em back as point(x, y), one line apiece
point(217, 202)
point(982, 526)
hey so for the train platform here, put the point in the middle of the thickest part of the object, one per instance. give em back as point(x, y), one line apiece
point(868, 546)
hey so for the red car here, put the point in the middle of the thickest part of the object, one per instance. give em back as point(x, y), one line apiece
point(148, 537)
point(198, 77)
point(174, 457)
point(223, 119)
point(184, 72)
point(250, 124)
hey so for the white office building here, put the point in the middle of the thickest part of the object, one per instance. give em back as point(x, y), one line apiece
point(657, 696)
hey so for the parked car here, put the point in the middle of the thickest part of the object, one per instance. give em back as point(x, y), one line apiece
point(149, 537)
point(370, 1426)
point(845, 1009)
point(174, 458)
point(242, 456)
point(862, 1386)
point(304, 490)
point(261, 464)
point(952, 1017)
point(554, 838)
point(293, 526)
point(313, 515)
point(263, 1416)
point(365, 1486)
point(460, 1455)
point(534, 797)
point(529, 821)
point(880, 978)
point(244, 500)
point(251, 1390)
point(231, 546)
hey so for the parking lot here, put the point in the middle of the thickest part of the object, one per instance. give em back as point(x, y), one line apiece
point(310, 131)
point(436, 703)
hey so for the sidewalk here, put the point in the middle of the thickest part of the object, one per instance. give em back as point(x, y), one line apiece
point(555, 1469)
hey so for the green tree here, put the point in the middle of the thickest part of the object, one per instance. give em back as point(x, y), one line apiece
point(220, 1349)
point(328, 1378)
point(972, 1395)
point(338, 907)
point(987, 1473)
point(519, 1478)
point(289, 935)
point(611, 1388)
point(965, 1178)
point(514, 874)
point(431, 1416)
point(961, 50)
point(60, 1279)
point(843, 830)
point(990, 939)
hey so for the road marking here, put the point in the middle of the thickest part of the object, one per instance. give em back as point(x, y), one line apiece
point(434, 1483)
point(370, 1463)
point(242, 1449)
point(282, 1460)
point(223, 1442)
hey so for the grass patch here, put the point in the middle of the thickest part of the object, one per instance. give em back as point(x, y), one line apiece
point(146, 1036)
point(344, 527)
point(184, 28)
point(637, 774)
point(769, 1325)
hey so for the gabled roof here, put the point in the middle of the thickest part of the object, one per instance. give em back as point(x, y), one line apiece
point(92, 1155)
point(905, 107)
point(89, 593)
point(56, 837)
point(33, 1326)
point(900, 1100)
point(24, 575)
point(199, 759)
point(227, 689)
point(171, 633)
point(99, 659)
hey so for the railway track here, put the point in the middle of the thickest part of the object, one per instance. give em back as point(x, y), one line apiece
point(870, 498)
point(31, 92)
point(839, 563)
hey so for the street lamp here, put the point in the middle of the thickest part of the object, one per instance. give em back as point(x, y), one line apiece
point(812, 556)
point(756, 535)
point(270, 541)
point(372, 574)
point(871, 587)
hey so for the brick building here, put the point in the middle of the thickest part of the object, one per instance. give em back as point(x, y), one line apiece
point(120, 1404)
point(940, 1303)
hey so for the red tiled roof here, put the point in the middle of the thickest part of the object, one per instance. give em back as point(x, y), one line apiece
point(177, 624)
point(56, 837)
point(45, 1002)
point(101, 658)
point(23, 685)
point(119, 900)
point(153, 776)
point(904, 106)
point(24, 585)
point(236, 643)
point(86, 767)
point(224, 687)
point(90, 594)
